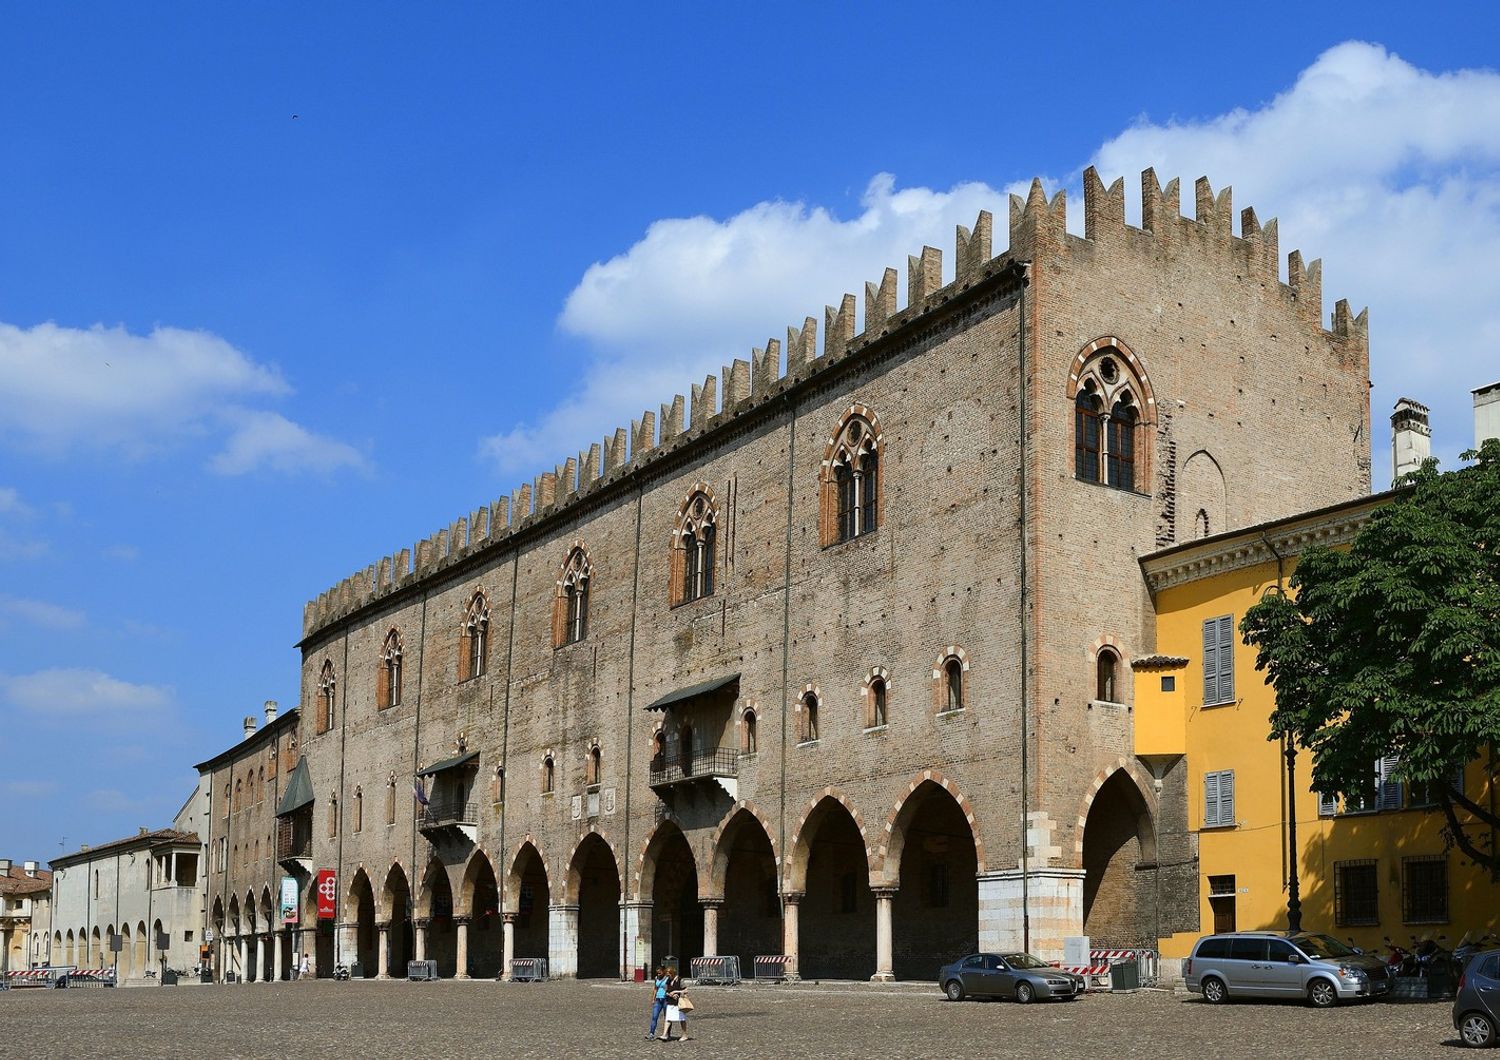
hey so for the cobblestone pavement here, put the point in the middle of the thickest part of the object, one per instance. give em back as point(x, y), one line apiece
point(570, 1019)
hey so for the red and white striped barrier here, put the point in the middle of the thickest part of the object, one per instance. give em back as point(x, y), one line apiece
point(1112, 955)
point(1084, 969)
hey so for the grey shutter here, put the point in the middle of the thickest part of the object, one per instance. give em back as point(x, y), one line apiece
point(1328, 805)
point(1226, 797)
point(1389, 797)
point(1226, 659)
point(1210, 662)
point(1210, 800)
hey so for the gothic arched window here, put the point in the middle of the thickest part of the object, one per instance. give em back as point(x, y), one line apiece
point(327, 685)
point(1112, 412)
point(570, 614)
point(474, 638)
point(692, 574)
point(850, 494)
point(1106, 676)
point(388, 677)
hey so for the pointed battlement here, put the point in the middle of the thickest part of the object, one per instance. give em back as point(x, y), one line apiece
point(1037, 231)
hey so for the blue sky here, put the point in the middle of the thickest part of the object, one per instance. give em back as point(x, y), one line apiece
point(285, 288)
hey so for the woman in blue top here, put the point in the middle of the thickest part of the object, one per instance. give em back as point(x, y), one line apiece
point(658, 1002)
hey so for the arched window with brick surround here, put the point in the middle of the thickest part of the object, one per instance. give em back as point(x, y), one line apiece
point(549, 776)
point(390, 799)
point(950, 681)
point(1107, 676)
point(474, 638)
point(570, 610)
point(388, 676)
point(1114, 411)
point(877, 693)
point(693, 539)
point(327, 687)
point(807, 717)
point(749, 738)
point(593, 766)
point(850, 501)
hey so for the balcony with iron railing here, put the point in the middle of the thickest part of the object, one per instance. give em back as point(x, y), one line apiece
point(674, 767)
point(294, 840)
point(445, 811)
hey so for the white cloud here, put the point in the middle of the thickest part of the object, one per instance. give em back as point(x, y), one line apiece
point(78, 694)
point(74, 390)
point(13, 548)
point(1389, 173)
point(11, 503)
point(30, 789)
point(39, 613)
point(695, 293)
point(268, 440)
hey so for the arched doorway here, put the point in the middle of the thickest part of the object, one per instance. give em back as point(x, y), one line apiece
point(744, 874)
point(126, 963)
point(96, 951)
point(935, 911)
point(400, 939)
point(437, 908)
point(269, 971)
point(676, 916)
point(482, 905)
point(594, 884)
point(111, 958)
point(531, 899)
point(362, 899)
point(1119, 903)
point(836, 922)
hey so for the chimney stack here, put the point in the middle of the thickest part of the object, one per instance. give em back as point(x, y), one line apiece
point(1486, 414)
point(31, 869)
point(1411, 437)
point(270, 711)
point(249, 726)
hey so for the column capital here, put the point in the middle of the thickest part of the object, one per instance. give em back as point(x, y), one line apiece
point(382, 925)
point(422, 922)
point(463, 921)
point(885, 892)
point(509, 918)
point(793, 897)
point(711, 903)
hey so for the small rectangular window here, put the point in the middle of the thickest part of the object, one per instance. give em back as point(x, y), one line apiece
point(1424, 889)
point(1356, 893)
point(1169, 683)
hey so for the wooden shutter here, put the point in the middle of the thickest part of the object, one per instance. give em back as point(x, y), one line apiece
point(1389, 797)
point(1226, 797)
point(1210, 661)
point(1226, 659)
point(1210, 800)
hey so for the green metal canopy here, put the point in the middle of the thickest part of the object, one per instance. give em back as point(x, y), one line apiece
point(693, 691)
point(299, 790)
point(448, 763)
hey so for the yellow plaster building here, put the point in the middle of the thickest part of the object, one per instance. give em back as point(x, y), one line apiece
point(1365, 872)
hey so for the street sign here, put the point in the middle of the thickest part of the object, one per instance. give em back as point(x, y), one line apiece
point(208, 935)
point(116, 944)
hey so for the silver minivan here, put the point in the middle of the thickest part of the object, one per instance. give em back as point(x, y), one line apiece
point(1308, 965)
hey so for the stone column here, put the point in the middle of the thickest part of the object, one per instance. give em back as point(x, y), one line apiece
point(791, 901)
point(381, 961)
point(239, 957)
point(711, 907)
point(419, 932)
point(884, 965)
point(275, 968)
point(461, 929)
point(347, 951)
point(562, 941)
point(637, 938)
point(508, 944)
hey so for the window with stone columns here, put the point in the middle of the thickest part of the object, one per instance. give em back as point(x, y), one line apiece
point(327, 686)
point(570, 611)
point(850, 502)
point(474, 638)
point(1113, 412)
point(388, 676)
point(693, 540)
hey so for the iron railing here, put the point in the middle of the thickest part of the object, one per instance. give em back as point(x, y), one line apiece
point(294, 837)
point(674, 767)
point(447, 811)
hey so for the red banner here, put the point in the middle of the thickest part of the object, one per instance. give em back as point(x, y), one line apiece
point(328, 894)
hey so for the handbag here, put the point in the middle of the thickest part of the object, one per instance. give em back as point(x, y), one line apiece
point(685, 1003)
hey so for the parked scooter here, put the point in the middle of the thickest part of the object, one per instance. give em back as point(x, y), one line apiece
point(341, 971)
point(1471, 944)
point(1398, 962)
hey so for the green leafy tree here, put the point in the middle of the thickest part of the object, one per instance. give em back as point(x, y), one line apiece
point(1391, 648)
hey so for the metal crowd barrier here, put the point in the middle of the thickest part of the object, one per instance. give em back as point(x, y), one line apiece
point(528, 969)
point(716, 971)
point(1105, 972)
point(773, 968)
point(418, 971)
point(91, 977)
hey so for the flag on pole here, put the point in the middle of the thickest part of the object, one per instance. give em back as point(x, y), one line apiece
point(419, 791)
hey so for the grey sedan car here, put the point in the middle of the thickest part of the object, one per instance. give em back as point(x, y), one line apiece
point(1013, 975)
point(1476, 1009)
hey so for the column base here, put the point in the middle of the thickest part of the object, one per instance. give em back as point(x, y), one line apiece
point(463, 975)
point(883, 977)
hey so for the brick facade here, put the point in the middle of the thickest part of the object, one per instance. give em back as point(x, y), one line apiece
point(986, 548)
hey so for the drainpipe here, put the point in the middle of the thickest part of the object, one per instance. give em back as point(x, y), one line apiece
point(627, 946)
point(1025, 620)
point(786, 646)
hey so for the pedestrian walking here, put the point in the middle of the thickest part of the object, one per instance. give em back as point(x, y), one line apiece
point(302, 968)
point(658, 1002)
point(678, 1006)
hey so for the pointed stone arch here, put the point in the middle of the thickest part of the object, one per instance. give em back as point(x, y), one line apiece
point(794, 864)
point(1143, 786)
point(570, 878)
point(893, 838)
point(472, 876)
point(526, 845)
point(645, 867)
point(738, 816)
